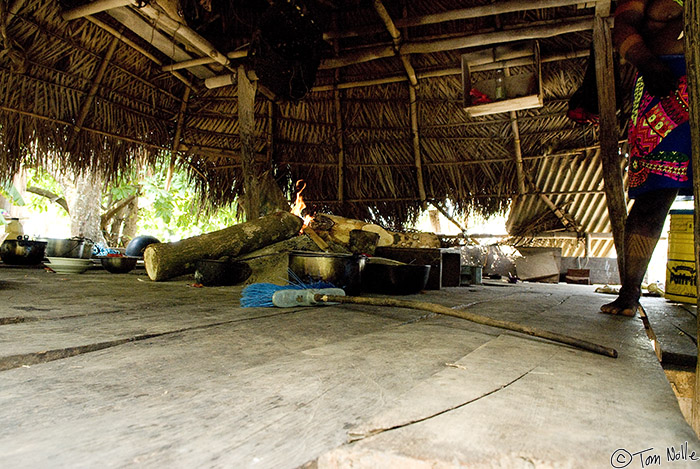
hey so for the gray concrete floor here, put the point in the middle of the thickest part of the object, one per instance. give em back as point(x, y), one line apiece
point(105, 370)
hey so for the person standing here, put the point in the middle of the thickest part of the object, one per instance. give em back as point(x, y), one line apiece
point(649, 35)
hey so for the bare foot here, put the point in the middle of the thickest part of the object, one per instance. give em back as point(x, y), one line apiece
point(622, 306)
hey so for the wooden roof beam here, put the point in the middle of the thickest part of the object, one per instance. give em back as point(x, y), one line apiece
point(539, 31)
point(466, 13)
point(501, 7)
point(396, 39)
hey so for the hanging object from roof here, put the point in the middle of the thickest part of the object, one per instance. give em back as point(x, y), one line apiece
point(286, 50)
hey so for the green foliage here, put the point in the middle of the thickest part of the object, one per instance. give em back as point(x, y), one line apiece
point(10, 192)
point(168, 215)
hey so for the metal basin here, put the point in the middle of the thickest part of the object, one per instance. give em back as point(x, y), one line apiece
point(342, 270)
point(22, 251)
point(76, 248)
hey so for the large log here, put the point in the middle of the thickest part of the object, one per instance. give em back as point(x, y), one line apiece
point(168, 260)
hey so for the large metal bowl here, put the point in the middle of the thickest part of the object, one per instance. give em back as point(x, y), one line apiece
point(22, 251)
point(76, 248)
point(342, 270)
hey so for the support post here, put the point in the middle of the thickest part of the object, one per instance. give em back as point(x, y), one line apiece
point(609, 150)
point(518, 154)
point(246, 129)
point(692, 59)
point(416, 147)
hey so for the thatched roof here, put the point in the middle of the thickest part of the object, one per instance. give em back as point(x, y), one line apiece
point(96, 92)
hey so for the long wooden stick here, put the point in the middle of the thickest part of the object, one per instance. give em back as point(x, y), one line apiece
point(439, 309)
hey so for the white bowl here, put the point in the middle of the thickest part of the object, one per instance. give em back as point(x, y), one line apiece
point(69, 265)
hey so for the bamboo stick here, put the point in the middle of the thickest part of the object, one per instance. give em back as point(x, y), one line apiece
point(176, 138)
point(476, 318)
point(136, 47)
point(85, 108)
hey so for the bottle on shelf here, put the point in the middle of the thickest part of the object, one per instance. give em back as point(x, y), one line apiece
point(500, 92)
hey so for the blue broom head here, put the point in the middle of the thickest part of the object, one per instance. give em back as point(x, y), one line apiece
point(259, 295)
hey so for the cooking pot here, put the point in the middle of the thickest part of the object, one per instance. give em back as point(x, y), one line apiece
point(22, 251)
point(395, 279)
point(342, 270)
point(77, 247)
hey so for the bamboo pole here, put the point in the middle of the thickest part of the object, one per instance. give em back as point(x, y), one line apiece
point(176, 138)
point(476, 318)
point(416, 146)
point(340, 140)
point(609, 150)
point(692, 59)
point(517, 153)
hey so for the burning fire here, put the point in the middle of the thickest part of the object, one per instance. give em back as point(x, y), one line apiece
point(300, 205)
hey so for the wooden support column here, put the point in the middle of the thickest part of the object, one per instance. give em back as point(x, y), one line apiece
point(692, 59)
point(246, 129)
point(517, 153)
point(609, 149)
point(340, 141)
point(270, 137)
point(176, 138)
point(416, 147)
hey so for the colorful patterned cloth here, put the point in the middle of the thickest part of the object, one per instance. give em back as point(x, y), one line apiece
point(659, 137)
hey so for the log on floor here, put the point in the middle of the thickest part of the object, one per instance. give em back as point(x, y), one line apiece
point(167, 260)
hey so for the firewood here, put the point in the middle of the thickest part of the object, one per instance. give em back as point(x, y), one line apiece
point(336, 229)
point(168, 260)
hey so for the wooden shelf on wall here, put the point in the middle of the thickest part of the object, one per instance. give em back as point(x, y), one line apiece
point(523, 91)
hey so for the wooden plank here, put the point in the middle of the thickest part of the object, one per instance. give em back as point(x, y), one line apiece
point(673, 326)
point(692, 59)
point(535, 416)
point(274, 392)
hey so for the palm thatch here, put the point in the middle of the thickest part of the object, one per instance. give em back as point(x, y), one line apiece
point(96, 93)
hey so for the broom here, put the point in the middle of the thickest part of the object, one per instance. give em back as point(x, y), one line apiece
point(299, 294)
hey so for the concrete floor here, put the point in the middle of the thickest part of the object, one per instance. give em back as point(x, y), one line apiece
point(105, 370)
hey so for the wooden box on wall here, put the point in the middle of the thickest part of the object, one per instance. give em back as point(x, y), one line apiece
point(522, 90)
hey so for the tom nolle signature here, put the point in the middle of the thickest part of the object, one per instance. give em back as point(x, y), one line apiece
point(649, 457)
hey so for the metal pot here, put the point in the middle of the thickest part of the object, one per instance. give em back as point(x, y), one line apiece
point(22, 251)
point(389, 279)
point(77, 247)
point(342, 270)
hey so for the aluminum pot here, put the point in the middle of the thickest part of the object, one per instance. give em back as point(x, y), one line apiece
point(76, 248)
point(22, 251)
point(342, 270)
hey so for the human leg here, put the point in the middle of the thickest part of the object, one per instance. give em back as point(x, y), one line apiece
point(642, 230)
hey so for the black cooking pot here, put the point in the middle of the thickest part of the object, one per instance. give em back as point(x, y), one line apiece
point(342, 270)
point(389, 279)
point(22, 251)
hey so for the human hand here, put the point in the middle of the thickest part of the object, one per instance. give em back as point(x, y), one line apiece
point(659, 80)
